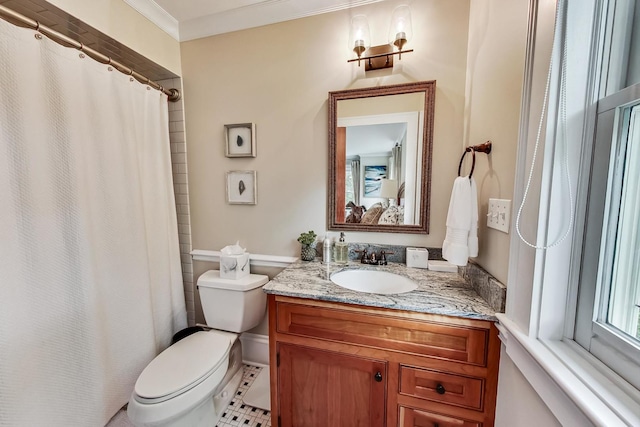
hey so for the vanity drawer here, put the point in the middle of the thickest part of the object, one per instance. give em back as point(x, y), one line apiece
point(452, 342)
point(442, 387)
point(410, 417)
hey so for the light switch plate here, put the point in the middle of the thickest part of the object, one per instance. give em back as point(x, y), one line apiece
point(499, 214)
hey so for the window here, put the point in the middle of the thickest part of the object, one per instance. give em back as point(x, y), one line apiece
point(349, 191)
point(608, 310)
point(558, 331)
point(622, 282)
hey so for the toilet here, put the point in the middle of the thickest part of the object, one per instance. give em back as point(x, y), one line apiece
point(192, 382)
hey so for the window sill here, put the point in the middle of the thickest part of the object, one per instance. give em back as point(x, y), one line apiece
point(578, 396)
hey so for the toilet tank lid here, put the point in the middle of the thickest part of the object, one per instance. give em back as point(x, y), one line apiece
point(211, 279)
point(182, 364)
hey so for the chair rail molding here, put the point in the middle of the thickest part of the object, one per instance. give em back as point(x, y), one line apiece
point(257, 260)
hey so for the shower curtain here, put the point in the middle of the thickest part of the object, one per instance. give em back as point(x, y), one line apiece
point(355, 177)
point(90, 278)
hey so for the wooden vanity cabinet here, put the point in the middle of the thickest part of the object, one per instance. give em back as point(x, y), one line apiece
point(336, 365)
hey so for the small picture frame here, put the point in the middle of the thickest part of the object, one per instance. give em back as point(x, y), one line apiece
point(241, 140)
point(241, 188)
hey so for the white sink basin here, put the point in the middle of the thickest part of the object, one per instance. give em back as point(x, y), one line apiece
point(373, 281)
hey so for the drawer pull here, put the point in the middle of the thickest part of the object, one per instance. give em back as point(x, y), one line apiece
point(440, 389)
point(378, 376)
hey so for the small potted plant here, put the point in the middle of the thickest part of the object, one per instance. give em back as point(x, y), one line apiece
point(308, 250)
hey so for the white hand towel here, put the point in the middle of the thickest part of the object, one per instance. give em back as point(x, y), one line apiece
point(461, 241)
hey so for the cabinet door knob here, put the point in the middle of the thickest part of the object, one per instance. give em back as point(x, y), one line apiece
point(440, 389)
point(378, 376)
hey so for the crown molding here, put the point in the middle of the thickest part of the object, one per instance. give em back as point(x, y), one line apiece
point(160, 17)
point(241, 18)
point(261, 14)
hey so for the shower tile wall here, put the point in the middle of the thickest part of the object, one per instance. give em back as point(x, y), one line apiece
point(181, 189)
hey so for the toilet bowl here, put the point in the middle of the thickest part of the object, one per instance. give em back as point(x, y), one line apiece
point(191, 382)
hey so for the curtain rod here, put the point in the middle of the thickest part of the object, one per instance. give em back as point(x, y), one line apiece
point(11, 15)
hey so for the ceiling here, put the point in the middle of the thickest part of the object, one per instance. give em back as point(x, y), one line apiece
point(379, 139)
point(192, 19)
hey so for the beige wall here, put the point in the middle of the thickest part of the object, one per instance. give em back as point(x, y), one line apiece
point(497, 42)
point(121, 22)
point(278, 77)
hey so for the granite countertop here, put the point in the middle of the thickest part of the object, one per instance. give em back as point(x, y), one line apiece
point(437, 292)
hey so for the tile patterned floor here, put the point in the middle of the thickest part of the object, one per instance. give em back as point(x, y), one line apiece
point(239, 414)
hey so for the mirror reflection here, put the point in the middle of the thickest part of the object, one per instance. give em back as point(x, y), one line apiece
point(380, 145)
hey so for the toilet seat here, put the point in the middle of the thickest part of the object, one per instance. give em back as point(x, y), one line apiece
point(183, 366)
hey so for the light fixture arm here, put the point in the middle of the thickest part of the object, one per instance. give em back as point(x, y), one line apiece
point(369, 57)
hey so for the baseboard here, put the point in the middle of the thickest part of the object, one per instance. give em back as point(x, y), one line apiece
point(255, 349)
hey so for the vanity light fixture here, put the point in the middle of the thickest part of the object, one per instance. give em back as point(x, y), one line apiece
point(378, 57)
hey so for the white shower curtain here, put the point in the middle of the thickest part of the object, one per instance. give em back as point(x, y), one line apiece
point(90, 278)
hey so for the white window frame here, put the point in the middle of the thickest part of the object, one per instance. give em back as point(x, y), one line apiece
point(537, 329)
point(593, 332)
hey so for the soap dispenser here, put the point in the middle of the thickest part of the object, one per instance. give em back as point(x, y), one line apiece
point(341, 251)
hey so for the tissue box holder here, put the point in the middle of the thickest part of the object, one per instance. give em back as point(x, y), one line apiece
point(234, 267)
point(417, 257)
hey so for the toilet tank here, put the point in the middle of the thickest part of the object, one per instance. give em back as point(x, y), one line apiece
point(232, 305)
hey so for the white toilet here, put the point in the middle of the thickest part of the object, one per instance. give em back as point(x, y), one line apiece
point(192, 382)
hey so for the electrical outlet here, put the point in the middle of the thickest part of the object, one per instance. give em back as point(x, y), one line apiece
point(499, 214)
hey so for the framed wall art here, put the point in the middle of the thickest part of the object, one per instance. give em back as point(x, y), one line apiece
point(241, 188)
point(373, 176)
point(241, 140)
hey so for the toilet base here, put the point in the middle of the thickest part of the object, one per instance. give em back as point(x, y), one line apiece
point(222, 399)
point(206, 413)
point(209, 412)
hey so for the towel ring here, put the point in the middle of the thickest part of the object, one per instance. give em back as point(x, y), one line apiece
point(473, 161)
point(485, 147)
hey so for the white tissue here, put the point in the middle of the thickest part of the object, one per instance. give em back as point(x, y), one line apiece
point(233, 249)
point(234, 262)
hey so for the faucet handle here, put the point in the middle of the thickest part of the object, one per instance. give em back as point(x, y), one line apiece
point(363, 258)
point(383, 257)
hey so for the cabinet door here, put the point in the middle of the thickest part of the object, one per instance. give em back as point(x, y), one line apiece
point(410, 417)
point(323, 388)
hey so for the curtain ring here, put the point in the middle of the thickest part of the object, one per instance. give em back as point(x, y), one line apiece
point(37, 25)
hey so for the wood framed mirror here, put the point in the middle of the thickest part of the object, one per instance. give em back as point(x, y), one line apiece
point(380, 149)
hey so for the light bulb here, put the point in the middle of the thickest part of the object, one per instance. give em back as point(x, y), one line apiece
point(359, 38)
point(400, 30)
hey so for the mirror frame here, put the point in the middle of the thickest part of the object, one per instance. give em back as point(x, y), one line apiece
point(429, 89)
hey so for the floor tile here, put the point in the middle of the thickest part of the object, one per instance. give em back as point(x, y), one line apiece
point(239, 414)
